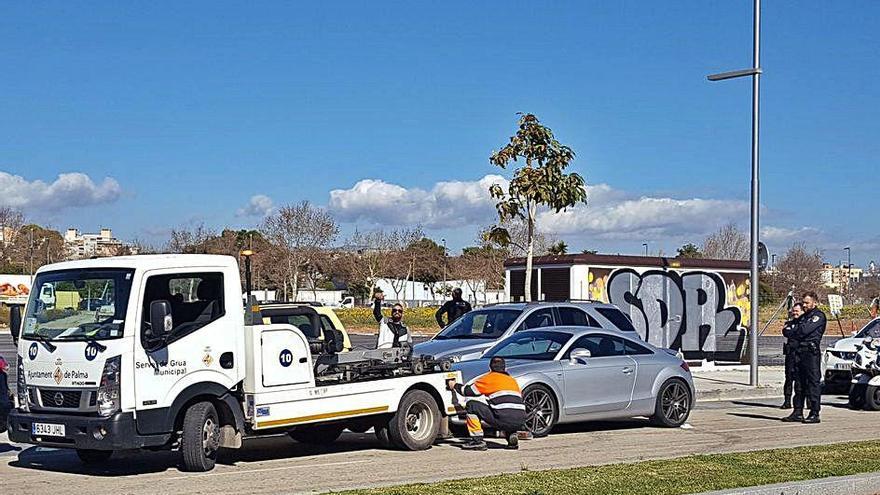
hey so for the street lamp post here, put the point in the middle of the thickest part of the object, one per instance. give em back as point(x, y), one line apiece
point(755, 73)
point(848, 268)
point(645, 244)
point(444, 263)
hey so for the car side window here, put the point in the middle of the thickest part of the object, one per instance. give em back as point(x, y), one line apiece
point(599, 345)
point(576, 317)
point(634, 349)
point(196, 300)
point(538, 319)
point(616, 316)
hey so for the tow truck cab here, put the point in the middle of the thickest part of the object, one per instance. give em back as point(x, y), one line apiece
point(153, 351)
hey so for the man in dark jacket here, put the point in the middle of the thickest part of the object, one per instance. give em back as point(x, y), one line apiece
point(453, 309)
point(808, 333)
point(788, 350)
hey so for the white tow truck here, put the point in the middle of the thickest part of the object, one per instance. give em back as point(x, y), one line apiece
point(170, 360)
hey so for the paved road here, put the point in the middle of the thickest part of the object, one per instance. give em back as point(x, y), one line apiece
point(280, 465)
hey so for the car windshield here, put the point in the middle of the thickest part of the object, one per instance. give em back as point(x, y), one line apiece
point(535, 345)
point(78, 305)
point(480, 324)
point(872, 330)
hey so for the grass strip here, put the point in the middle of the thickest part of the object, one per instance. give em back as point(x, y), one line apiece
point(691, 474)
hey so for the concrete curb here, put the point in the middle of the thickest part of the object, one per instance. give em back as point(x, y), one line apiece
point(859, 484)
point(735, 394)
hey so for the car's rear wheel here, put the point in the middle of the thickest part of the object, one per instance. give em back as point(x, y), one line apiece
point(673, 404)
point(857, 396)
point(542, 410)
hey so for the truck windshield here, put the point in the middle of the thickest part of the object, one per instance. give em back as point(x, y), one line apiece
point(78, 305)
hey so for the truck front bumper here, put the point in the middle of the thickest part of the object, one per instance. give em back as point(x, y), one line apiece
point(117, 432)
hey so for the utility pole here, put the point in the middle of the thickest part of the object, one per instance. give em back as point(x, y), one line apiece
point(755, 73)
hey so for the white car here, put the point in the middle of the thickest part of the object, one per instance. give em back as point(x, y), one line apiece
point(838, 358)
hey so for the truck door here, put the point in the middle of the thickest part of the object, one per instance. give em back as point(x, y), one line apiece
point(199, 350)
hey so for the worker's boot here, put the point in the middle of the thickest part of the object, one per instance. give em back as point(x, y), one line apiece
point(813, 418)
point(512, 441)
point(797, 416)
point(475, 444)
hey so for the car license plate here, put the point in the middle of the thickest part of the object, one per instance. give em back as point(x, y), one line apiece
point(47, 429)
point(843, 366)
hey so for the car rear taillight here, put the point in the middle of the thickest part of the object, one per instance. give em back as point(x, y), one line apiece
point(684, 366)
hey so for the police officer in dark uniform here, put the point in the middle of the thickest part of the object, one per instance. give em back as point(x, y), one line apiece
point(788, 350)
point(453, 309)
point(808, 333)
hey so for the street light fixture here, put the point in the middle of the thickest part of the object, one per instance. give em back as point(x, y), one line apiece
point(755, 73)
point(645, 244)
point(848, 268)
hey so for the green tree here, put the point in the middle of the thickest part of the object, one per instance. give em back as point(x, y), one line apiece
point(542, 181)
point(689, 250)
point(559, 248)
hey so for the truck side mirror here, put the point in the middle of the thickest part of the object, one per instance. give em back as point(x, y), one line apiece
point(580, 356)
point(161, 321)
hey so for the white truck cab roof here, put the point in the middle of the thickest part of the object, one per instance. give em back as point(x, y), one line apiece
point(148, 261)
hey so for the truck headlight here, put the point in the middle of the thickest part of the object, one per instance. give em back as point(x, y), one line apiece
point(109, 396)
point(21, 387)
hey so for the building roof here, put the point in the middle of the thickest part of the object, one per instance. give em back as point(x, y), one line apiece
point(625, 260)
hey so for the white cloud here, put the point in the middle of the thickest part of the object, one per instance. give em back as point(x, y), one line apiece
point(68, 190)
point(447, 204)
point(259, 205)
point(610, 213)
point(782, 235)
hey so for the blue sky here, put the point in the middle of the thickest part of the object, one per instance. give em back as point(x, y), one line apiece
point(191, 110)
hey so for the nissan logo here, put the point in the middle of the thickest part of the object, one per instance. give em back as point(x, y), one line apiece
point(59, 399)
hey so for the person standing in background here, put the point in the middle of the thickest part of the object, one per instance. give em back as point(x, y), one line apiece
point(788, 350)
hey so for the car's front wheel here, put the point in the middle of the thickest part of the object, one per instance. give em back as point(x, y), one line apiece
point(872, 398)
point(542, 410)
point(673, 405)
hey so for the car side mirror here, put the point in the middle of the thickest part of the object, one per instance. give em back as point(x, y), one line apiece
point(579, 356)
point(161, 321)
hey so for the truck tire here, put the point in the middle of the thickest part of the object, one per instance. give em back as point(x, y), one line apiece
point(415, 424)
point(200, 441)
point(316, 434)
point(872, 398)
point(857, 396)
point(92, 457)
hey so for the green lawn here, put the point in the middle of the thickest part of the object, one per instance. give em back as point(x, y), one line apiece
point(674, 476)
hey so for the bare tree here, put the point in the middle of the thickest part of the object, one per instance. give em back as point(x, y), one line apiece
point(728, 243)
point(189, 239)
point(798, 268)
point(481, 268)
point(376, 254)
point(517, 246)
point(299, 232)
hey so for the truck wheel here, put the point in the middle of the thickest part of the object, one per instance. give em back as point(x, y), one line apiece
point(92, 457)
point(415, 424)
point(316, 434)
point(200, 441)
point(857, 396)
point(872, 398)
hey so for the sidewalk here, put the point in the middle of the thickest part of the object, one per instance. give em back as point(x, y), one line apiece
point(859, 484)
point(732, 383)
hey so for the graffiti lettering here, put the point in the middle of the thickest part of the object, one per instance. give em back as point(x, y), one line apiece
point(676, 311)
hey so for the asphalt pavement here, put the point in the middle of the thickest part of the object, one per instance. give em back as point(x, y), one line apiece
point(280, 465)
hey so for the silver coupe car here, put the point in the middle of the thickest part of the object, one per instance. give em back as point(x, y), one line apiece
point(574, 374)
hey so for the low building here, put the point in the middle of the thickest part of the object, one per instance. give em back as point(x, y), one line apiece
point(79, 245)
point(840, 277)
point(698, 306)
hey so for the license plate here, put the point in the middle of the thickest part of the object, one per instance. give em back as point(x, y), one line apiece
point(47, 429)
point(843, 366)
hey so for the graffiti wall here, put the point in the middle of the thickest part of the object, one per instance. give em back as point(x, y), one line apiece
point(702, 313)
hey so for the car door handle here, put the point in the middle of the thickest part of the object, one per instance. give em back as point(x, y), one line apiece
point(627, 370)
